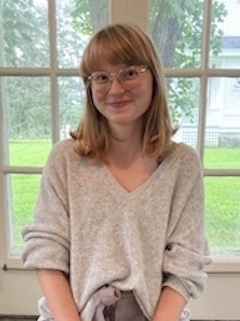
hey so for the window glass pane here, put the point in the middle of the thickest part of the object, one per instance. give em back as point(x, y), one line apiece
point(24, 33)
point(76, 21)
point(223, 123)
point(176, 28)
point(184, 103)
point(222, 158)
point(23, 191)
point(26, 102)
point(223, 215)
point(29, 152)
point(71, 101)
point(225, 44)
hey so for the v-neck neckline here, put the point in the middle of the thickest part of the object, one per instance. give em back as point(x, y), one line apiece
point(116, 186)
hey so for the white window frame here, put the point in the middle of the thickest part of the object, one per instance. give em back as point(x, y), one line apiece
point(215, 303)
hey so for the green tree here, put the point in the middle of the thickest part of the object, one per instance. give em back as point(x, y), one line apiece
point(24, 34)
point(176, 28)
point(24, 43)
point(89, 15)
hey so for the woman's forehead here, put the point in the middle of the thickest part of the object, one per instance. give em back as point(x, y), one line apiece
point(107, 66)
point(105, 59)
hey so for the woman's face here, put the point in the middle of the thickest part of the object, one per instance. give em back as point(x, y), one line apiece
point(119, 105)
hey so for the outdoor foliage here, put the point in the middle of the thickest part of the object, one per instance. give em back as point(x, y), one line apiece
point(176, 28)
point(177, 31)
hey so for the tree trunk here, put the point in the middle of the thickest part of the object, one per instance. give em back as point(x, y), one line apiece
point(166, 32)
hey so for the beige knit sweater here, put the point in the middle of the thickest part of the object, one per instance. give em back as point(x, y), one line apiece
point(90, 227)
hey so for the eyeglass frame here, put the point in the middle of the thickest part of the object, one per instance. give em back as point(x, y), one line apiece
point(116, 76)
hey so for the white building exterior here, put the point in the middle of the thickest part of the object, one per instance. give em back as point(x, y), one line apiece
point(223, 105)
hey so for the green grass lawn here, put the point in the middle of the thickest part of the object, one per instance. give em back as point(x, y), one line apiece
point(223, 212)
point(222, 158)
point(222, 193)
point(29, 152)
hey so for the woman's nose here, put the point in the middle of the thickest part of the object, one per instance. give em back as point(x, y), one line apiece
point(116, 87)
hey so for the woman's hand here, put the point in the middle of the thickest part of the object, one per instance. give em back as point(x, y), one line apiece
point(170, 305)
point(56, 289)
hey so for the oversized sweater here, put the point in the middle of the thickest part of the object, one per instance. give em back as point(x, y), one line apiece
point(88, 226)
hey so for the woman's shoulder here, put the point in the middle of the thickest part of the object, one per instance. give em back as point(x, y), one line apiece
point(64, 150)
point(64, 145)
point(185, 154)
point(187, 150)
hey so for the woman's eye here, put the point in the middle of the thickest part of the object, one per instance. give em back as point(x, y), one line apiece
point(130, 73)
point(101, 78)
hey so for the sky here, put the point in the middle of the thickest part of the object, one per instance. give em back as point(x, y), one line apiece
point(231, 25)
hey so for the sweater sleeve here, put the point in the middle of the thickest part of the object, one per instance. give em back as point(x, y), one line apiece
point(47, 240)
point(186, 251)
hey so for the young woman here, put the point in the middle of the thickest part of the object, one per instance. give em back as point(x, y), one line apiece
point(119, 229)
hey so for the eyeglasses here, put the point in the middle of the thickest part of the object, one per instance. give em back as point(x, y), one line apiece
point(128, 78)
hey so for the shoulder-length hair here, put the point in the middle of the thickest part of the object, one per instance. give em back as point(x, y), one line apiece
point(123, 44)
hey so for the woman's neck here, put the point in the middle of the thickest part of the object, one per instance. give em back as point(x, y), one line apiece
point(125, 145)
point(127, 163)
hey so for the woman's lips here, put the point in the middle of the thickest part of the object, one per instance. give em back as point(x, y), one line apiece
point(119, 103)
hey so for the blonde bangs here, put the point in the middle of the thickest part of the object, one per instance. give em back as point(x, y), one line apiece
point(115, 46)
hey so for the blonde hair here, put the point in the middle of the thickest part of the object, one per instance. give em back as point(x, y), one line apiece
point(124, 44)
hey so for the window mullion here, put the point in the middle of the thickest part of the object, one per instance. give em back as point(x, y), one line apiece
point(134, 11)
point(204, 79)
point(53, 70)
